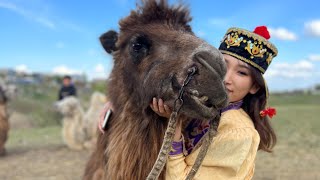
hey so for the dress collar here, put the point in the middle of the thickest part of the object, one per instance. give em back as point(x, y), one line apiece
point(235, 105)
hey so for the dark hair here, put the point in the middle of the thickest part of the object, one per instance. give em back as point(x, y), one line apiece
point(67, 77)
point(252, 105)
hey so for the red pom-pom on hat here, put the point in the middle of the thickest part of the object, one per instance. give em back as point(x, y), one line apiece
point(262, 31)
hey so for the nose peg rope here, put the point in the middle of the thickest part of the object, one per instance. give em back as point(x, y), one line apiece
point(168, 137)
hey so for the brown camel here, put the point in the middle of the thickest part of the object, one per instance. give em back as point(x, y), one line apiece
point(4, 124)
point(153, 53)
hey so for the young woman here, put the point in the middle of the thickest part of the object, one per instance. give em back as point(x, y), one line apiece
point(244, 126)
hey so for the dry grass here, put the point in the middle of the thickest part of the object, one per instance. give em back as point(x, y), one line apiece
point(296, 155)
point(38, 152)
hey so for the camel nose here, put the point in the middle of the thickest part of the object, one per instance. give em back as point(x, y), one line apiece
point(211, 60)
point(211, 72)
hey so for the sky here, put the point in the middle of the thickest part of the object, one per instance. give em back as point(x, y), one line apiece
point(61, 36)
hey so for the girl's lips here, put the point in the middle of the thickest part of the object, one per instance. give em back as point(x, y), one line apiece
point(229, 90)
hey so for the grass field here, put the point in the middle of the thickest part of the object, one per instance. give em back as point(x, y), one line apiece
point(37, 152)
point(296, 155)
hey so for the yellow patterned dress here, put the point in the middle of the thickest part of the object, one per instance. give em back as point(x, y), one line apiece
point(231, 155)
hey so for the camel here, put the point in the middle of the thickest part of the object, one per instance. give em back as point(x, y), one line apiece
point(91, 116)
point(73, 132)
point(80, 128)
point(153, 53)
point(7, 92)
point(4, 123)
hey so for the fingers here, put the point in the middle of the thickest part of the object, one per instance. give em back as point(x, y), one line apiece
point(161, 106)
point(158, 106)
point(155, 105)
point(167, 109)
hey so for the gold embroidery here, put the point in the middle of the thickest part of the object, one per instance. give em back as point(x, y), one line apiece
point(269, 59)
point(255, 37)
point(233, 40)
point(255, 49)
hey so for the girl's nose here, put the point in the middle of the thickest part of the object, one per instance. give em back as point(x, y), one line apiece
point(227, 78)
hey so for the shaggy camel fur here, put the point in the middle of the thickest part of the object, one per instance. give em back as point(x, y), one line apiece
point(73, 132)
point(91, 116)
point(7, 92)
point(4, 123)
point(153, 53)
point(80, 130)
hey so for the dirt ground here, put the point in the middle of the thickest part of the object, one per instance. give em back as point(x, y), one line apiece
point(36, 153)
point(54, 162)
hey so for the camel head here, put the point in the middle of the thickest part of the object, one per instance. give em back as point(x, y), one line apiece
point(7, 91)
point(153, 53)
point(97, 99)
point(68, 106)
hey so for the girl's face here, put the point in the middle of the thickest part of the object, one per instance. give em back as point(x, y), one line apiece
point(238, 80)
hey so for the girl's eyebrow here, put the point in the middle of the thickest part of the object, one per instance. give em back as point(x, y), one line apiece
point(240, 63)
point(243, 66)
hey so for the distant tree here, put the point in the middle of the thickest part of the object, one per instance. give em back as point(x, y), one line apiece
point(99, 85)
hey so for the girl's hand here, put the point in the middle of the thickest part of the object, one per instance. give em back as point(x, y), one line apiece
point(163, 110)
point(106, 108)
point(160, 108)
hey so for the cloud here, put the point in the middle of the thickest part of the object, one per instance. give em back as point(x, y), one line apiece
point(99, 68)
point(73, 27)
point(28, 14)
point(313, 28)
point(64, 70)
point(282, 34)
point(99, 71)
point(45, 22)
point(22, 68)
point(314, 57)
point(300, 69)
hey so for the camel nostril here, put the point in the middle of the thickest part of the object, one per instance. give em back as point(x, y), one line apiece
point(193, 70)
point(212, 61)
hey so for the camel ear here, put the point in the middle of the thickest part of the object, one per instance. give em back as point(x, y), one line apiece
point(108, 41)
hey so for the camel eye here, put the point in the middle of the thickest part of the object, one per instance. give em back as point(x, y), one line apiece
point(136, 47)
point(140, 46)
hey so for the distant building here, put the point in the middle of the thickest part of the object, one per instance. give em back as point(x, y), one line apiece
point(315, 89)
point(12, 76)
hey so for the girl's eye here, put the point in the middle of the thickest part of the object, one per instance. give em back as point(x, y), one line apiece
point(242, 73)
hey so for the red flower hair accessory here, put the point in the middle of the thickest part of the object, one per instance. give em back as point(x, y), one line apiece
point(268, 112)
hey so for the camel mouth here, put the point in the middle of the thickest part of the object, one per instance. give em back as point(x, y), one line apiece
point(197, 102)
point(205, 102)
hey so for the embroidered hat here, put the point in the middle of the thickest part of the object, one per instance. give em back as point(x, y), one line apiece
point(250, 47)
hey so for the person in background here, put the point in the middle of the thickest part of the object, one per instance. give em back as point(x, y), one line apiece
point(67, 89)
